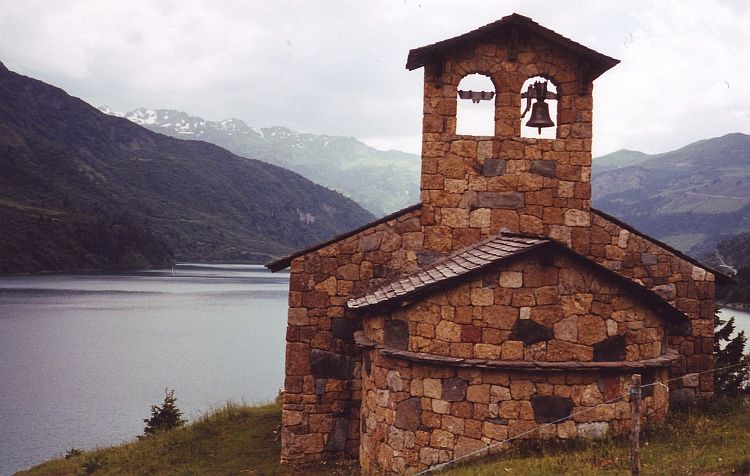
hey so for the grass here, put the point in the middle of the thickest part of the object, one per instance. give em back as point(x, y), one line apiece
point(235, 439)
point(709, 440)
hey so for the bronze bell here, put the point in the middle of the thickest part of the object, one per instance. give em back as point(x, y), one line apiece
point(540, 109)
point(540, 116)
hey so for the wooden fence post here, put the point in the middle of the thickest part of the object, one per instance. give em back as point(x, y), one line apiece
point(635, 425)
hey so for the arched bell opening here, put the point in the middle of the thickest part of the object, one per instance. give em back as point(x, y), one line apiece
point(539, 108)
point(475, 112)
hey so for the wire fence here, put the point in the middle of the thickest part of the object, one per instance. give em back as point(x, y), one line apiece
point(487, 449)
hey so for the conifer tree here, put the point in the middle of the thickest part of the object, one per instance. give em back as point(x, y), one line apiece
point(165, 417)
point(729, 351)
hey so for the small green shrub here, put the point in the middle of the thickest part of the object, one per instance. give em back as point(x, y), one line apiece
point(165, 417)
point(72, 453)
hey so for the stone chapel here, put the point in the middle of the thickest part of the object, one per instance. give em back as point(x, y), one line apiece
point(502, 300)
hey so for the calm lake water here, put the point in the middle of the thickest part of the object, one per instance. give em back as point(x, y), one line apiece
point(82, 357)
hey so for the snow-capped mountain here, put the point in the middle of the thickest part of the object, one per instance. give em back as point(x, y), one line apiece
point(381, 181)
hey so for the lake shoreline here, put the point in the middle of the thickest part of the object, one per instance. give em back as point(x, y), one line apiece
point(86, 354)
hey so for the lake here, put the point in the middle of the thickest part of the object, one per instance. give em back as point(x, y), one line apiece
point(83, 357)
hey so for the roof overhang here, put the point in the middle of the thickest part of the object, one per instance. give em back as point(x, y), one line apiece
point(509, 27)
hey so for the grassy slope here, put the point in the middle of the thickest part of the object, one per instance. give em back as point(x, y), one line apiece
point(242, 440)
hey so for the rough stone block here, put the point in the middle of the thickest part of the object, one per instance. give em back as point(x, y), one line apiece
point(493, 167)
point(592, 431)
point(343, 328)
point(510, 200)
point(511, 279)
point(408, 414)
point(546, 168)
point(548, 408)
point(433, 388)
point(530, 332)
point(610, 349)
point(448, 331)
point(454, 389)
point(331, 365)
point(396, 334)
point(338, 435)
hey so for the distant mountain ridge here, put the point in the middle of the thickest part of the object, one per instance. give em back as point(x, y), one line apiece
point(380, 181)
point(692, 197)
point(80, 189)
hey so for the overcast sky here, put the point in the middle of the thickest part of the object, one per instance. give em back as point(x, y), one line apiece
point(337, 67)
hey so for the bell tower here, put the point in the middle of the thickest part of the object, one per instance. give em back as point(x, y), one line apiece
point(473, 187)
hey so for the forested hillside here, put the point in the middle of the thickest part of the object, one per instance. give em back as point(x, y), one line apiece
point(81, 189)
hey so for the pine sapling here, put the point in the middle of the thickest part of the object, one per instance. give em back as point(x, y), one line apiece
point(165, 417)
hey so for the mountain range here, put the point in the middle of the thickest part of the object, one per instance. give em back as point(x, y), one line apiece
point(83, 189)
point(380, 181)
point(692, 197)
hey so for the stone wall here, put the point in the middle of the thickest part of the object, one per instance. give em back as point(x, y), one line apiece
point(539, 308)
point(320, 419)
point(416, 415)
point(686, 286)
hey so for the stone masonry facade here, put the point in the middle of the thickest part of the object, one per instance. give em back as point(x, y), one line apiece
point(491, 353)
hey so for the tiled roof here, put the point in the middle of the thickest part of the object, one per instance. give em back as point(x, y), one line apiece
point(470, 259)
point(428, 54)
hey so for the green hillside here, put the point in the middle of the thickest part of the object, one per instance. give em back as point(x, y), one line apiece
point(691, 198)
point(244, 440)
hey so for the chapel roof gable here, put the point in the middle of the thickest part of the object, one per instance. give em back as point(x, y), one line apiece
point(510, 26)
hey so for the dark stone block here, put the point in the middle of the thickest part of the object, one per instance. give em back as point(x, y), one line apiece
point(382, 271)
point(425, 258)
point(329, 365)
point(338, 434)
point(647, 378)
point(548, 408)
point(530, 332)
point(493, 167)
point(320, 386)
point(512, 200)
point(454, 389)
point(408, 414)
point(547, 168)
point(367, 362)
point(648, 259)
point(498, 421)
point(342, 328)
point(396, 334)
point(683, 328)
point(610, 349)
